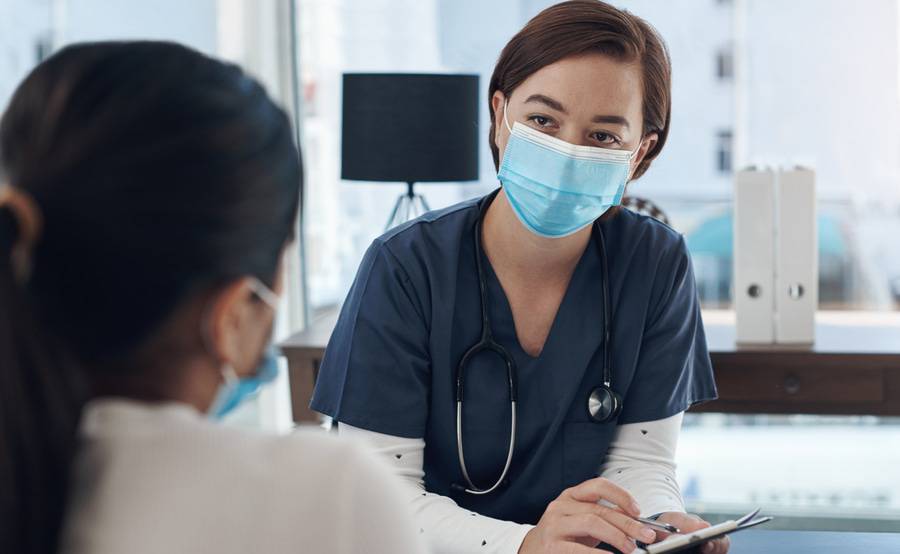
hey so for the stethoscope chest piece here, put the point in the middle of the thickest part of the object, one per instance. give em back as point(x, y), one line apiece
point(603, 404)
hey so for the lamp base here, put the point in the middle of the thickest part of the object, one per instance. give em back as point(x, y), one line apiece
point(409, 205)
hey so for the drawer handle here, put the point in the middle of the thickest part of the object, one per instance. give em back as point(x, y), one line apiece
point(792, 384)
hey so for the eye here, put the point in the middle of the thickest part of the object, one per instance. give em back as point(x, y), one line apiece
point(541, 121)
point(606, 139)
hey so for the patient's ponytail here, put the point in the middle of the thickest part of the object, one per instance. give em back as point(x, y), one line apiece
point(132, 176)
point(40, 399)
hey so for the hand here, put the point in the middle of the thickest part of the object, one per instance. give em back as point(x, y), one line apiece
point(689, 522)
point(575, 523)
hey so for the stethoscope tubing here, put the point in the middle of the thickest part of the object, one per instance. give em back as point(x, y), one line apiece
point(487, 343)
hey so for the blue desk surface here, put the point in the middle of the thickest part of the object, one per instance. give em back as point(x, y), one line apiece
point(807, 542)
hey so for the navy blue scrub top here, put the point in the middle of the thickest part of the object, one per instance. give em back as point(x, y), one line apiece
point(414, 310)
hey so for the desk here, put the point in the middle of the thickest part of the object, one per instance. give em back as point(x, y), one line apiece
point(304, 351)
point(808, 542)
point(854, 367)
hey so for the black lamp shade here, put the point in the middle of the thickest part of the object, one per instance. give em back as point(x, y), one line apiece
point(409, 127)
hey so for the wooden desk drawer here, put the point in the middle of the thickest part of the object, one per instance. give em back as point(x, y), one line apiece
point(819, 385)
point(805, 383)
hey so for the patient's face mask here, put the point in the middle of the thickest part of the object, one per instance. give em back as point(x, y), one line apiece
point(235, 390)
point(557, 188)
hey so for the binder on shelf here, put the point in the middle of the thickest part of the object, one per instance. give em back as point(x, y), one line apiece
point(754, 255)
point(796, 257)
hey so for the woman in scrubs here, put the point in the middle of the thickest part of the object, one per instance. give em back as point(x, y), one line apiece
point(579, 103)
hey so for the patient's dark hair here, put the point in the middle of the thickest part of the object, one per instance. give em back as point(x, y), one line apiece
point(159, 173)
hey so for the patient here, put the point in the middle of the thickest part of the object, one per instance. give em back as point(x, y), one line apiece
point(152, 193)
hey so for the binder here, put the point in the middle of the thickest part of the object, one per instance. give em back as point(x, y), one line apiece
point(796, 257)
point(754, 255)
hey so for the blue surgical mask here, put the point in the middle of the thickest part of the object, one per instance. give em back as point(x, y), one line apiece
point(235, 390)
point(557, 188)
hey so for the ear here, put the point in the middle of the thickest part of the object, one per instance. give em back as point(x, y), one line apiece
point(647, 144)
point(230, 312)
point(498, 102)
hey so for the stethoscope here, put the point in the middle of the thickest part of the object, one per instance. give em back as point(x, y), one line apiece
point(603, 404)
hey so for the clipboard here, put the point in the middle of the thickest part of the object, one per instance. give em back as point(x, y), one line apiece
point(679, 543)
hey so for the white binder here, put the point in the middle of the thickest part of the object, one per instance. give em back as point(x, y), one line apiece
point(796, 257)
point(754, 255)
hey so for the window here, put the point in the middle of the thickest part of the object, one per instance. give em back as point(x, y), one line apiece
point(25, 26)
point(360, 36)
point(31, 30)
point(43, 47)
point(723, 151)
point(799, 472)
point(725, 64)
point(781, 107)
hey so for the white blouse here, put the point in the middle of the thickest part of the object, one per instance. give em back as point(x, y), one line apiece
point(152, 478)
point(641, 459)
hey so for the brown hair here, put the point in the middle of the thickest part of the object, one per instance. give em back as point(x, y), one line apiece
point(580, 26)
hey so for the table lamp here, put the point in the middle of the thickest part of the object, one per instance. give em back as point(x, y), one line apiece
point(410, 128)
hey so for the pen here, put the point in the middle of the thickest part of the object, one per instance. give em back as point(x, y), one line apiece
point(659, 525)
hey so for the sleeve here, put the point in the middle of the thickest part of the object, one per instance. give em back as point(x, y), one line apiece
point(376, 370)
point(641, 460)
point(379, 519)
point(445, 526)
point(673, 370)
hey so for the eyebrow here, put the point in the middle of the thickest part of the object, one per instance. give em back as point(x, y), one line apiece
point(547, 101)
point(557, 105)
point(613, 119)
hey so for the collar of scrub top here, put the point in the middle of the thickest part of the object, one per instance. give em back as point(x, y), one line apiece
point(600, 242)
point(487, 342)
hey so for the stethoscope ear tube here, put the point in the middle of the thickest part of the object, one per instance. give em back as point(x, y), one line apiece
point(472, 488)
point(487, 343)
point(603, 404)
